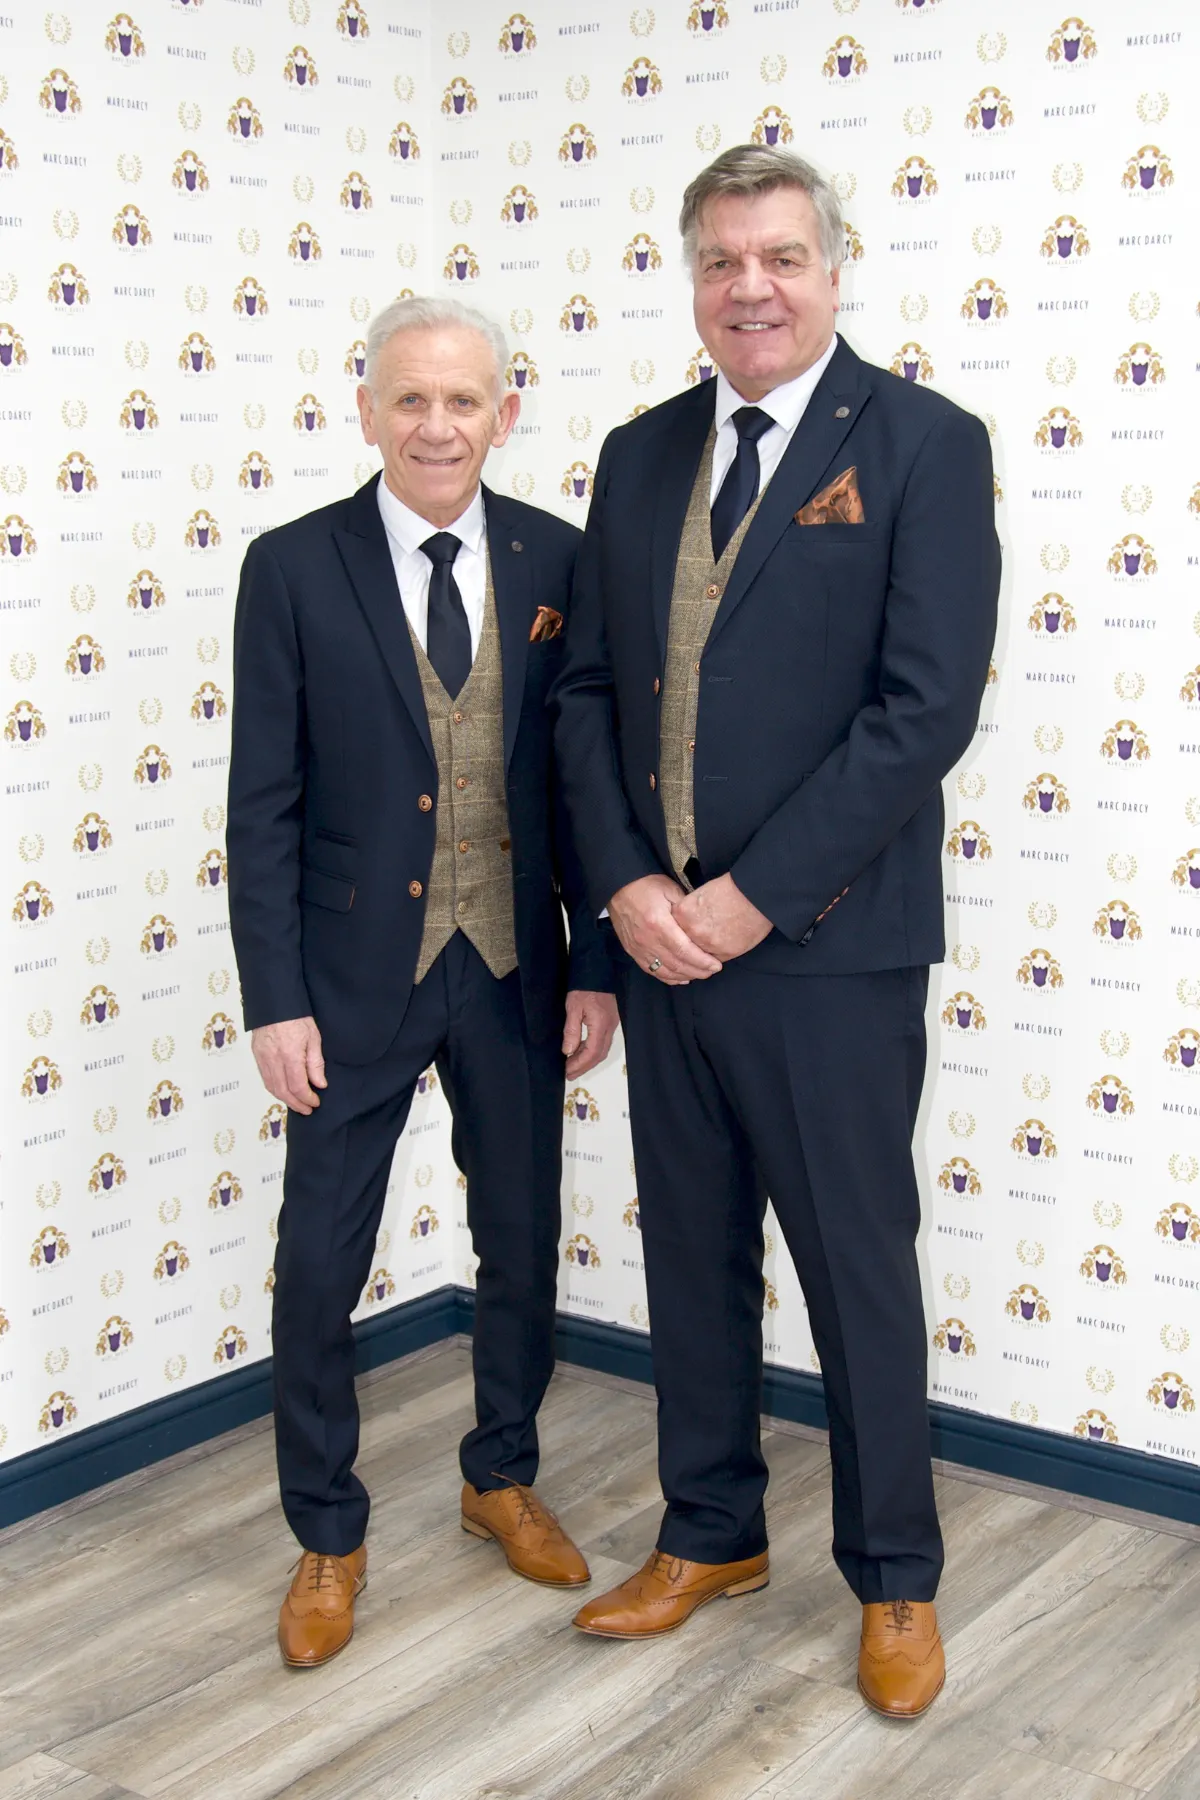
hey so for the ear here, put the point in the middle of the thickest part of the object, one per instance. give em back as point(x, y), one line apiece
point(366, 413)
point(835, 282)
point(506, 418)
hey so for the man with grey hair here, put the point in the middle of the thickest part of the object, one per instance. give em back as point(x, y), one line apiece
point(398, 874)
point(783, 617)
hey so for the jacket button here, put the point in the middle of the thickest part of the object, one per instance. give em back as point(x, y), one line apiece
point(653, 783)
point(464, 845)
point(461, 782)
point(425, 803)
point(713, 591)
point(415, 889)
point(657, 684)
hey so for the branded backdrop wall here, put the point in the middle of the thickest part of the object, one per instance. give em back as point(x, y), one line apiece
point(201, 206)
point(1015, 193)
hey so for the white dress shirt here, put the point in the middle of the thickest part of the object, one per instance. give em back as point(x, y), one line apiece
point(786, 406)
point(406, 532)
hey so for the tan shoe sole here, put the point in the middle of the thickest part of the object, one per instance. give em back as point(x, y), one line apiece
point(751, 1585)
point(886, 1713)
point(318, 1662)
point(481, 1531)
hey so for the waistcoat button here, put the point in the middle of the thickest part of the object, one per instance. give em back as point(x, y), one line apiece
point(713, 591)
point(464, 845)
point(461, 782)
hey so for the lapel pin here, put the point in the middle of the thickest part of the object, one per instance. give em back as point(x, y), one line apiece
point(843, 412)
point(517, 544)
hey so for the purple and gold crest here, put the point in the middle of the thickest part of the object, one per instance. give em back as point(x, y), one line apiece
point(578, 315)
point(300, 70)
point(915, 180)
point(1033, 1139)
point(13, 354)
point(1117, 923)
point(33, 905)
point(958, 1177)
point(68, 287)
point(578, 145)
point(1071, 44)
point(518, 37)
point(582, 1252)
point(642, 80)
point(403, 143)
point(59, 96)
point(1052, 615)
point(954, 1337)
point(171, 1262)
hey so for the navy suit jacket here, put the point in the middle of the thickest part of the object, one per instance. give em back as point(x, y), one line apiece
point(841, 679)
point(332, 753)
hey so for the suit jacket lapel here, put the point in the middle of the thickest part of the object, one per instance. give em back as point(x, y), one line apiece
point(512, 585)
point(363, 547)
point(679, 461)
point(815, 444)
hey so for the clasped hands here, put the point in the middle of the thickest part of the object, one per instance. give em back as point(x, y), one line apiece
point(678, 937)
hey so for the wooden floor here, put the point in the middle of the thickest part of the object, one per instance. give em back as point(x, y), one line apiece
point(137, 1639)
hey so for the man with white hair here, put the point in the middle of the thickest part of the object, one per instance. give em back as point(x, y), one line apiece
point(398, 874)
point(780, 636)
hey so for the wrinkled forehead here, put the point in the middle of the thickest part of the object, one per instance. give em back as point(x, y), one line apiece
point(782, 216)
point(433, 359)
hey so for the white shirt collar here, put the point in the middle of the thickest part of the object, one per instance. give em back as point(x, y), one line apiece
point(408, 530)
point(785, 403)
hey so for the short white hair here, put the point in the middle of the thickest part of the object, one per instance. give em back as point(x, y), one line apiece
point(424, 313)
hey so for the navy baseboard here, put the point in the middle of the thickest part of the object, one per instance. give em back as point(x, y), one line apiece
point(89, 1459)
point(1108, 1472)
point(101, 1453)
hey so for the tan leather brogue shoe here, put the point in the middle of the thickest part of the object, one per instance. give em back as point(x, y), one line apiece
point(901, 1663)
point(316, 1619)
point(530, 1536)
point(665, 1593)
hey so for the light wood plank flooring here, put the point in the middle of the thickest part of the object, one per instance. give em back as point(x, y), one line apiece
point(137, 1652)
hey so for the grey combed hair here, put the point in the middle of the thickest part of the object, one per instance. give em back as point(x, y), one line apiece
point(748, 169)
point(424, 313)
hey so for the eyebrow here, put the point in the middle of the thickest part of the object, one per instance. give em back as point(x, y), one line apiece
point(771, 249)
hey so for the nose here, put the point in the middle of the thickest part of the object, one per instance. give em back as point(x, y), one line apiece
point(751, 284)
point(437, 427)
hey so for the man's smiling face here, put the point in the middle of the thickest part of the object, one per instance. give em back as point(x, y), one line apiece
point(432, 411)
point(763, 300)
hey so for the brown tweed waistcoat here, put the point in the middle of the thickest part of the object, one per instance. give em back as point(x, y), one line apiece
point(695, 597)
point(470, 883)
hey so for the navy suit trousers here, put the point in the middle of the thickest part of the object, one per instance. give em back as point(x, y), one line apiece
point(506, 1094)
point(806, 1088)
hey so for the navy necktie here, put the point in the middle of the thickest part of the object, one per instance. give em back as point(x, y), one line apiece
point(448, 637)
point(740, 486)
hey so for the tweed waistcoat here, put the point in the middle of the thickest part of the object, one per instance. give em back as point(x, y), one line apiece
point(695, 597)
point(470, 883)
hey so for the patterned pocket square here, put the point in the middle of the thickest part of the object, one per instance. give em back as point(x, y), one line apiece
point(546, 625)
point(838, 504)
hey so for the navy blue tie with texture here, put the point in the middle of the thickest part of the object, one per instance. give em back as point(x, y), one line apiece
point(740, 486)
point(448, 638)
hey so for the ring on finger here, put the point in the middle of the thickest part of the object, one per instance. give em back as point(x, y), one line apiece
point(654, 965)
